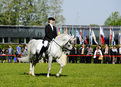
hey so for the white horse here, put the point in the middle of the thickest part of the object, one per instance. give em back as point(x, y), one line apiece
point(54, 51)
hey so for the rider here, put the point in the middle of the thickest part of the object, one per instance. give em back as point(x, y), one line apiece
point(50, 33)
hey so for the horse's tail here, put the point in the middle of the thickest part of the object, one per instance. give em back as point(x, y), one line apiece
point(26, 58)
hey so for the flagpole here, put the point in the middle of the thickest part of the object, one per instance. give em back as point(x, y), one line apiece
point(83, 39)
point(99, 35)
point(89, 35)
point(109, 37)
point(120, 36)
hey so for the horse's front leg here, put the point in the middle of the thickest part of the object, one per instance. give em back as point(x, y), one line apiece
point(49, 66)
point(59, 61)
point(30, 71)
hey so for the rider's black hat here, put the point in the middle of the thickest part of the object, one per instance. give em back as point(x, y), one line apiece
point(51, 18)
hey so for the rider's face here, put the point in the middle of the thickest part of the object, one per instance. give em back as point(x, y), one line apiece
point(51, 21)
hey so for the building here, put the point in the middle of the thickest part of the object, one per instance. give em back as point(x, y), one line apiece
point(22, 34)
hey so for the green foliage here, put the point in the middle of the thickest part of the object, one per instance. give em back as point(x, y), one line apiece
point(94, 25)
point(113, 20)
point(93, 46)
point(29, 12)
point(55, 10)
point(73, 75)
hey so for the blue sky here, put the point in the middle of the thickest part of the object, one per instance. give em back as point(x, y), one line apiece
point(86, 12)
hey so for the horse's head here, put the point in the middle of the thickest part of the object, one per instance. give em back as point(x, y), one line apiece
point(66, 41)
point(69, 45)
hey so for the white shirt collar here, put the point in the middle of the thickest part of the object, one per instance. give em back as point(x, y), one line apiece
point(51, 26)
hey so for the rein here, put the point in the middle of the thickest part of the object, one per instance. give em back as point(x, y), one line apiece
point(62, 46)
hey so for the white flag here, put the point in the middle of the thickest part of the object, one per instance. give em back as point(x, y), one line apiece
point(93, 36)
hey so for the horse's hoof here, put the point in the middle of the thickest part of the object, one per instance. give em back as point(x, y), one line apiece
point(29, 74)
point(33, 75)
point(48, 76)
point(57, 75)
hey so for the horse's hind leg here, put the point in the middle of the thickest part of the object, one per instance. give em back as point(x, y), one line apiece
point(49, 66)
point(59, 61)
point(30, 71)
point(33, 65)
point(33, 70)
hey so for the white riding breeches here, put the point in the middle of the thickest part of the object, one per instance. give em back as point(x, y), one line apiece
point(40, 45)
point(45, 43)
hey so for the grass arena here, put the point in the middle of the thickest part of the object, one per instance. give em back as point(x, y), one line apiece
point(73, 75)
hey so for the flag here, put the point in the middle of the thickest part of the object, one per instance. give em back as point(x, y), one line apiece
point(81, 40)
point(103, 38)
point(73, 32)
point(113, 42)
point(59, 32)
point(77, 34)
point(66, 31)
point(85, 39)
point(70, 33)
point(119, 37)
point(90, 33)
point(110, 35)
point(93, 36)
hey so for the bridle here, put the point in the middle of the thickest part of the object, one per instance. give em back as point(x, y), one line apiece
point(63, 47)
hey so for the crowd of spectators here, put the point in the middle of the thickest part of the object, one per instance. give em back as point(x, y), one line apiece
point(7, 55)
point(86, 54)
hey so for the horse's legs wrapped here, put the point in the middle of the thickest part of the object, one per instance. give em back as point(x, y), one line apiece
point(49, 66)
point(30, 71)
point(59, 61)
point(33, 70)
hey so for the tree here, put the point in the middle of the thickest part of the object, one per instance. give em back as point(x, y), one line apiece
point(42, 12)
point(55, 11)
point(29, 12)
point(113, 20)
point(94, 25)
point(6, 10)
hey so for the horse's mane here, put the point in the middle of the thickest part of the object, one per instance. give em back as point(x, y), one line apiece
point(62, 38)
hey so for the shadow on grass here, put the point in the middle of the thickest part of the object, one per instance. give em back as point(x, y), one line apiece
point(44, 74)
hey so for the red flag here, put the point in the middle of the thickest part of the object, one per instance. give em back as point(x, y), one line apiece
point(85, 37)
point(102, 35)
point(110, 34)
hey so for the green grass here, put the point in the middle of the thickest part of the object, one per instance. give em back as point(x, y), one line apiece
point(73, 75)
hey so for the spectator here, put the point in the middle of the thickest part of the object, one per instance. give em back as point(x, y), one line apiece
point(97, 55)
point(114, 52)
point(3, 53)
point(95, 48)
point(111, 53)
point(74, 52)
point(89, 52)
point(82, 52)
point(100, 47)
point(119, 53)
point(10, 52)
point(106, 51)
point(70, 57)
point(24, 50)
point(0, 53)
point(18, 51)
